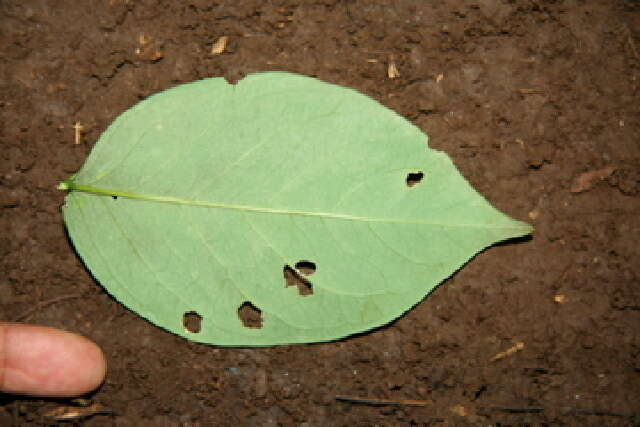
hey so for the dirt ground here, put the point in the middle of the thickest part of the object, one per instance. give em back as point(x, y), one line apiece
point(537, 103)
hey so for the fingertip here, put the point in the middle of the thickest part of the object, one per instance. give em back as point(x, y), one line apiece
point(45, 361)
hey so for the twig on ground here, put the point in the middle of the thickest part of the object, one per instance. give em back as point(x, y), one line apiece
point(78, 132)
point(382, 402)
point(39, 306)
point(632, 44)
point(531, 91)
point(519, 346)
point(518, 410)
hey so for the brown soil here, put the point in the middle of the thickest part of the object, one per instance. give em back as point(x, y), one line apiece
point(527, 96)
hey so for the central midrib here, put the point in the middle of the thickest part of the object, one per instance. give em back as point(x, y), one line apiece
point(71, 186)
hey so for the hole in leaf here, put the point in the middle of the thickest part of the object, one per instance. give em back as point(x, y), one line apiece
point(306, 267)
point(191, 322)
point(114, 197)
point(250, 315)
point(293, 278)
point(414, 178)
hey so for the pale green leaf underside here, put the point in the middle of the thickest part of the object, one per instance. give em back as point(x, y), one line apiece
point(220, 186)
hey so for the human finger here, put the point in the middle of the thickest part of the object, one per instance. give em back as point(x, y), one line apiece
point(43, 361)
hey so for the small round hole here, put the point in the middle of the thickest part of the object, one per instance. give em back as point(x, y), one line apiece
point(114, 197)
point(192, 322)
point(414, 178)
point(306, 267)
point(250, 315)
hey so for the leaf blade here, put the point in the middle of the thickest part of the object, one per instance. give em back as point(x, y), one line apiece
point(205, 224)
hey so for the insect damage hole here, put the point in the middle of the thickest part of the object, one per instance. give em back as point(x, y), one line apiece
point(306, 267)
point(250, 315)
point(295, 277)
point(414, 178)
point(192, 322)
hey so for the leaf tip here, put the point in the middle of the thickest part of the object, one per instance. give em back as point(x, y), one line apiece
point(525, 229)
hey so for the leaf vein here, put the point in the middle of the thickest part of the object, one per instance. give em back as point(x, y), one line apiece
point(523, 227)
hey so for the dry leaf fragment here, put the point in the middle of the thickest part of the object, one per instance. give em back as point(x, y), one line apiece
point(392, 71)
point(147, 49)
point(220, 45)
point(459, 410)
point(149, 53)
point(68, 413)
point(439, 78)
point(143, 40)
point(587, 180)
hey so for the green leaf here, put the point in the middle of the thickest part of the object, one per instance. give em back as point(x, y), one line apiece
point(210, 200)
